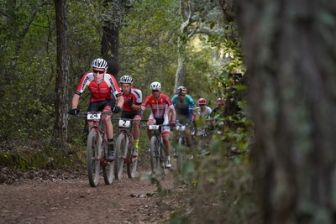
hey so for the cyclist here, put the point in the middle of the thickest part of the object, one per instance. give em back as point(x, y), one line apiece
point(202, 113)
point(162, 112)
point(132, 107)
point(203, 110)
point(184, 106)
point(218, 112)
point(105, 96)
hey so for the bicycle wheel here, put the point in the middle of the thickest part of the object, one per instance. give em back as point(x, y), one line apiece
point(162, 158)
point(179, 154)
point(132, 163)
point(108, 168)
point(155, 154)
point(93, 156)
point(121, 152)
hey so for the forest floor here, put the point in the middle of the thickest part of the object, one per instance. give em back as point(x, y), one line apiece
point(66, 197)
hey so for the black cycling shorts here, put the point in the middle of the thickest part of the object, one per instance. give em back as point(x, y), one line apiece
point(100, 105)
point(129, 114)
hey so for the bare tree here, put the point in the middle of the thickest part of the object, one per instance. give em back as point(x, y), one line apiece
point(61, 88)
point(291, 62)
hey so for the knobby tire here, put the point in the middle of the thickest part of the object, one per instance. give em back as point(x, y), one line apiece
point(93, 148)
point(121, 152)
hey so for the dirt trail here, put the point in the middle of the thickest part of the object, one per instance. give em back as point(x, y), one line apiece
point(74, 201)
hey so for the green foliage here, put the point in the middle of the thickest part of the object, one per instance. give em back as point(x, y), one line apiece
point(34, 157)
point(147, 48)
point(28, 63)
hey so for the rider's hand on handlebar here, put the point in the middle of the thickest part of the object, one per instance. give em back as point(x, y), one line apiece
point(74, 111)
point(116, 109)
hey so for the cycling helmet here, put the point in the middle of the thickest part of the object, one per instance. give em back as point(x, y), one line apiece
point(126, 79)
point(202, 101)
point(99, 63)
point(155, 86)
point(181, 90)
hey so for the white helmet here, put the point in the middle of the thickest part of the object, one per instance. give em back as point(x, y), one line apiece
point(99, 63)
point(126, 79)
point(155, 86)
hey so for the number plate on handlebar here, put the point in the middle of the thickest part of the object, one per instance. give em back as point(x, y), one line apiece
point(153, 127)
point(93, 116)
point(124, 123)
point(180, 127)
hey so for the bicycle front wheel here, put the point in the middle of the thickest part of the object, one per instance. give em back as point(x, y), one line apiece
point(132, 163)
point(121, 147)
point(179, 155)
point(108, 169)
point(155, 154)
point(93, 145)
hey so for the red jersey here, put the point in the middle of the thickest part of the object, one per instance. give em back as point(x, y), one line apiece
point(159, 106)
point(135, 95)
point(104, 90)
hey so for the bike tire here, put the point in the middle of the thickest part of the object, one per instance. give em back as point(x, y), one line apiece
point(108, 169)
point(179, 155)
point(155, 154)
point(93, 157)
point(132, 163)
point(162, 158)
point(121, 153)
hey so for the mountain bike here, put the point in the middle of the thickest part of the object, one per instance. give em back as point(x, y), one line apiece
point(157, 154)
point(125, 149)
point(96, 149)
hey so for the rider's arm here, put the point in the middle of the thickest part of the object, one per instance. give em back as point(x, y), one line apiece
point(138, 99)
point(172, 113)
point(83, 83)
point(120, 100)
point(145, 103)
point(75, 101)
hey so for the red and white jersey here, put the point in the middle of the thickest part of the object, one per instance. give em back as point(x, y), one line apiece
point(159, 106)
point(100, 91)
point(135, 95)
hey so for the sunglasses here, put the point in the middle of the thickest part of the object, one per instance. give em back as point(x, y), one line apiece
point(99, 72)
point(155, 90)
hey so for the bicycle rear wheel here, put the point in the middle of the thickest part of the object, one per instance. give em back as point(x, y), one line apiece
point(155, 155)
point(132, 163)
point(93, 149)
point(108, 169)
point(121, 152)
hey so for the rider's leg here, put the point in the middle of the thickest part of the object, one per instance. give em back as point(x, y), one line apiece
point(167, 147)
point(136, 133)
point(109, 132)
point(188, 137)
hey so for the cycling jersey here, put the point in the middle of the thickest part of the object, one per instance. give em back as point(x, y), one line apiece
point(206, 113)
point(100, 91)
point(158, 106)
point(135, 96)
point(184, 108)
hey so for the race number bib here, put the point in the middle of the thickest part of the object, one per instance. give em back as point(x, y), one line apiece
point(93, 116)
point(124, 123)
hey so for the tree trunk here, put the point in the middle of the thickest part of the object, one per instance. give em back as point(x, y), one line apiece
point(181, 67)
point(291, 61)
point(185, 13)
point(110, 42)
point(61, 106)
